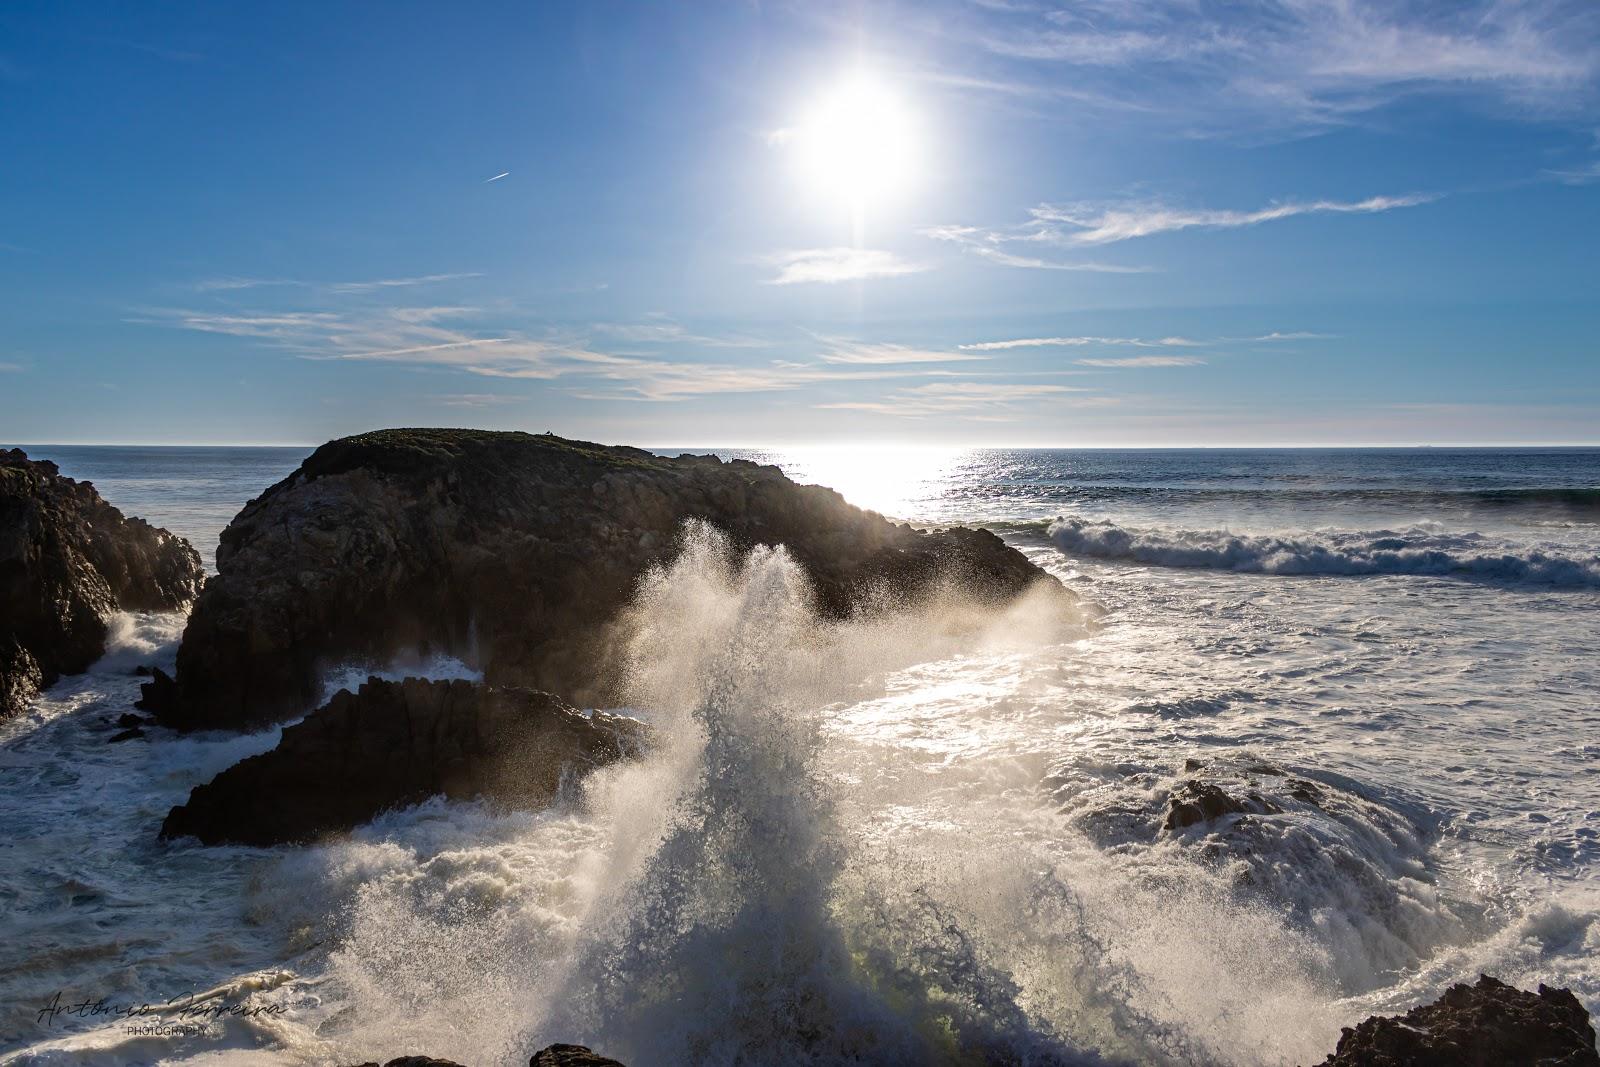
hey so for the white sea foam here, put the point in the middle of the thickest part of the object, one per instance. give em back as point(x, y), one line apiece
point(1417, 550)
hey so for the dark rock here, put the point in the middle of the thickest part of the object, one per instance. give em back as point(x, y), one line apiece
point(1197, 801)
point(1490, 1024)
point(570, 1056)
point(411, 1061)
point(126, 735)
point(159, 692)
point(67, 561)
point(514, 552)
point(397, 743)
point(141, 671)
point(130, 721)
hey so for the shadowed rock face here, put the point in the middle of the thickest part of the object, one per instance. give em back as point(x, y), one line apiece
point(397, 743)
point(570, 1056)
point(1489, 1024)
point(67, 561)
point(513, 551)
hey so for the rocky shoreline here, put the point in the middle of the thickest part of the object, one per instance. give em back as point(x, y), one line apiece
point(518, 554)
point(68, 561)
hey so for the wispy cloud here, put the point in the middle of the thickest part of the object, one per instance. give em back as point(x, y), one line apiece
point(1071, 342)
point(1144, 361)
point(663, 330)
point(852, 352)
point(474, 400)
point(971, 400)
point(1220, 68)
point(433, 337)
point(1292, 335)
point(10, 368)
point(1099, 225)
point(224, 284)
point(1584, 175)
point(497, 177)
point(838, 265)
point(987, 244)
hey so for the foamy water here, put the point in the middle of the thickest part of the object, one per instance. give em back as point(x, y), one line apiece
point(925, 837)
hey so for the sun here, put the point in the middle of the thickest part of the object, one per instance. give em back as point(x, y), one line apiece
point(856, 143)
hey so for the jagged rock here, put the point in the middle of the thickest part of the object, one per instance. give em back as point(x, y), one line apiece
point(514, 552)
point(1490, 1024)
point(132, 734)
point(412, 1061)
point(397, 743)
point(159, 692)
point(67, 561)
point(570, 1056)
point(1197, 801)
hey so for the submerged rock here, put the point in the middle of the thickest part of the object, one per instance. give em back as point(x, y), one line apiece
point(1490, 1024)
point(68, 560)
point(515, 552)
point(397, 743)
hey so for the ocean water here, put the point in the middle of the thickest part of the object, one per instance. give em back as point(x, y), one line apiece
point(928, 836)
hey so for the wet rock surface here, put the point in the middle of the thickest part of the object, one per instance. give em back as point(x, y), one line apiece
point(68, 560)
point(1489, 1024)
point(514, 552)
point(1330, 854)
point(392, 744)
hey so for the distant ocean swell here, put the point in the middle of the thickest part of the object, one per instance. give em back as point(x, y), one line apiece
point(1330, 552)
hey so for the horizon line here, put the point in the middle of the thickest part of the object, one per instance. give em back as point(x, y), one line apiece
point(903, 445)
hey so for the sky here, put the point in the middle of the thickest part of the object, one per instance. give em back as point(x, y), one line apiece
point(1095, 223)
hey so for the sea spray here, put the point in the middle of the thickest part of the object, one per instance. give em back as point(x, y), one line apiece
point(734, 941)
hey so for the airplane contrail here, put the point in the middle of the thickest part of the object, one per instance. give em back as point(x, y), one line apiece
point(497, 177)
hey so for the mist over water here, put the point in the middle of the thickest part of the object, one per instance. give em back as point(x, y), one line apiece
point(930, 834)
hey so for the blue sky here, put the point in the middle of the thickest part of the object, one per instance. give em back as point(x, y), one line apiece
point(1171, 223)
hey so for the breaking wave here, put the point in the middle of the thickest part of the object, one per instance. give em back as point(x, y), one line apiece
point(1418, 551)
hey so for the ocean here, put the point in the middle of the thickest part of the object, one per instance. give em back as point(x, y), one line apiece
point(905, 839)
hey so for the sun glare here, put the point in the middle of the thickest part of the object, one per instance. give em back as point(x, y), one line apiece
point(856, 143)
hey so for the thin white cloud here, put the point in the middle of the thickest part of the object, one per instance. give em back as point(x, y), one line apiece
point(1093, 225)
point(972, 400)
point(663, 330)
point(831, 265)
point(1585, 175)
point(426, 337)
point(1070, 342)
point(396, 283)
point(852, 352)
point(986, 243)
point(1293, 335)
point(1144, 361)
point(224, 284)
point(1286, 65)
point(497, 177)
point(10, 368)
point(473, 400)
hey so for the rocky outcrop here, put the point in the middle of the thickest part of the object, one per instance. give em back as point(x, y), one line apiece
point(514, 552)
point(554, 1056)
point(570, 1056)
point(67, 561)
point(397, 743)
point(1490, 1024)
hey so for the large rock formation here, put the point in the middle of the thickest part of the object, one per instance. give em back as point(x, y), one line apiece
point(1489, 1024)
point(513, 551)
point(67, 561)
point(398, 743)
